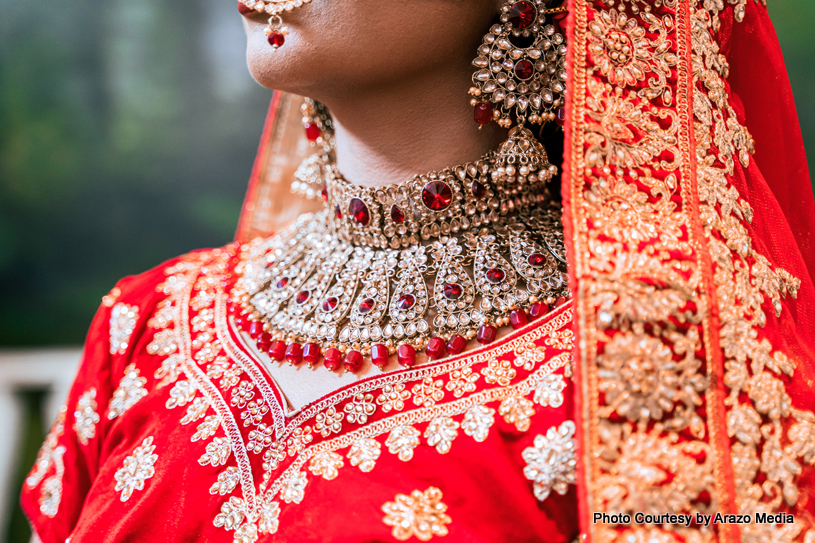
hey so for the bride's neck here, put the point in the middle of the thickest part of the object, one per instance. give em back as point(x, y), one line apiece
point(407, 128)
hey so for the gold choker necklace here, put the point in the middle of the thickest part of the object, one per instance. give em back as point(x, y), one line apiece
point(425, 265)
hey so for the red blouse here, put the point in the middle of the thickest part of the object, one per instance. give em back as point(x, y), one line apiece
point(174, 431)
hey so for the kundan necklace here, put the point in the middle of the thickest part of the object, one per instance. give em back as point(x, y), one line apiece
point(423, 265)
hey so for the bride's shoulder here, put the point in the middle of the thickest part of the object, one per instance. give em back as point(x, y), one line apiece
point(141, 305)
point(157, 283)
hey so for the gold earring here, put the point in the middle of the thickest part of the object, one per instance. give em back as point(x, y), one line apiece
point(521, 71)
point(310, 177)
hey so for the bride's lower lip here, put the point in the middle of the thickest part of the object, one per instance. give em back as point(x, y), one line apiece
point(251, 13)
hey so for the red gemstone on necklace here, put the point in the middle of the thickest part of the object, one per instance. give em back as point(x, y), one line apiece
point(436, 348)
point(521, 14)
point(255, 329)
point(330, 304)
point(302, 297)
point(482, 113)
point(366, 305)
point(561, 116)
point(406, 301)
point(294, 353)
point(456, 344)
point(332, 359)
point(324, 193)
point(311, 353)
point(282, 282)
point(353, 361)
point(264, 341)
point(518, 319)
point(337, 211)
point(276, 39)
point(536, 260)
point(486, 334)
point(397, 215)
point(313, 132)
point(277, 350)
point(524, 69)
point(380, 355)
point(359, 211)
point(406, 355)
point(495, 275)
point(437, 195)
point(478, 189)
point(538, 309)
point(453, 291)
point(560, 301)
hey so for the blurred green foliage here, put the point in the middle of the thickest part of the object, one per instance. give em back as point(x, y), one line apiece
point(793, 21)
point(127, 134)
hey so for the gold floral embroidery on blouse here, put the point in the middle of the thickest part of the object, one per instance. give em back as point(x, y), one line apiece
point(50, 457)
point(137, 468)
point(86, 417)
point(551, 463)
point(123, 319)
point(131, 390)
point(422, 514)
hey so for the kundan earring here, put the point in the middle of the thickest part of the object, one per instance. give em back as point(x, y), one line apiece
point(520, 65)
point(520, 79)
point(276, 31)
point(318, 124)
point(310, 177)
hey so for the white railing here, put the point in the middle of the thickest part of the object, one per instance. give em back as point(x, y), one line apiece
point(51, 370)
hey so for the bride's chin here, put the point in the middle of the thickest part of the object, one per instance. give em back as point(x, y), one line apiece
point(272, 69)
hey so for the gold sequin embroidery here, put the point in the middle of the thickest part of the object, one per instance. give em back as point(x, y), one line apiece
point(123, 319)
point(131, 390)
point(86, 417)
point(137, 468)
point(421, 514)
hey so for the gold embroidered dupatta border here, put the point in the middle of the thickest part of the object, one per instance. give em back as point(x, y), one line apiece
point(577, 177)
point(645, 277)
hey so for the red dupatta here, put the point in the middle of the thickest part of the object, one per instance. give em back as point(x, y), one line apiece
point(694, 304)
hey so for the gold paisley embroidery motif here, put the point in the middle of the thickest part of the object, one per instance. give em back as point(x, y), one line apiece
point(131, 390)
point(440, 433)
point(421, 514)
point(123, 319)
point(716, 6)
point(85, 417)
point(326, 464)
point(50, 456)
point(625, 55)
point(137, 468)
point(745, 281)
point(402, 440)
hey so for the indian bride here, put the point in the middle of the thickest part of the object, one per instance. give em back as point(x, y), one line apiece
point(514, 271)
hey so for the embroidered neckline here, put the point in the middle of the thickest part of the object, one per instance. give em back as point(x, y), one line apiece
point(264, 459)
